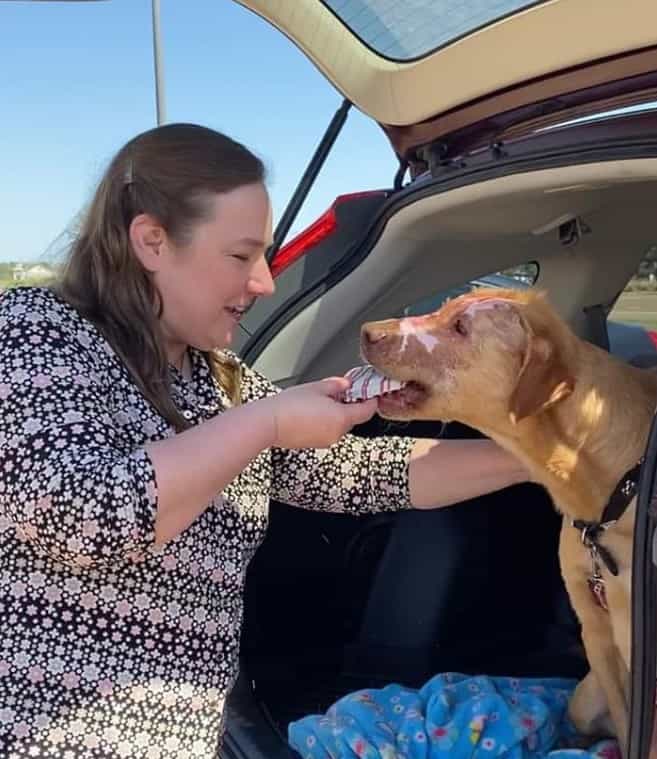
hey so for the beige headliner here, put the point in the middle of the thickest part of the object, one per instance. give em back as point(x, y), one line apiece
point(446, 239)
point(549, 37)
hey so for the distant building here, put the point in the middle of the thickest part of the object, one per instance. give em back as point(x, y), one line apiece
point(39, 271)
point(18, 272)
point(22, 272)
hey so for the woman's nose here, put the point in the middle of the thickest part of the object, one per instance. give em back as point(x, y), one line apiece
point(261, 282)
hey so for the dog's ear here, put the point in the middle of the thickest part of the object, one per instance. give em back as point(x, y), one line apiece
point(543, 379)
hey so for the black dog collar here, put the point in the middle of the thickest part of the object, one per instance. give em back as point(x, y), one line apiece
point(616, 505)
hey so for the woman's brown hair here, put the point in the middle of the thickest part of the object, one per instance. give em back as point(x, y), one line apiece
point(170, 173)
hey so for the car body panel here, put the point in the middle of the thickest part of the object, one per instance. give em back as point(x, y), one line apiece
point(588, 44)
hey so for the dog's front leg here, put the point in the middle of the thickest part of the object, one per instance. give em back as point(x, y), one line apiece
point(587, 707)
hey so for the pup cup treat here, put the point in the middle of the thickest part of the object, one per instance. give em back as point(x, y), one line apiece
point(367, 383)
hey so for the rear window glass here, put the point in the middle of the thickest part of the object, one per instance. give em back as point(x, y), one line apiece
point(519, 277)
point(407, 29)
point(602, 115)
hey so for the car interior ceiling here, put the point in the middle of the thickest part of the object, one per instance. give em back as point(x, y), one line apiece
point(442, 240)
point(335, 603)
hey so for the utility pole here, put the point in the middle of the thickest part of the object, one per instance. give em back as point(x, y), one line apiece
point(160, 100)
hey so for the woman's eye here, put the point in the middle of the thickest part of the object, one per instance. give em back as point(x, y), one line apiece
point(241, 257)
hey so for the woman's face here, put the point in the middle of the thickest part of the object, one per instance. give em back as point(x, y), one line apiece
point(207, 283)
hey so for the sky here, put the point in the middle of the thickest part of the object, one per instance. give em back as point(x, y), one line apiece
point(77, 82)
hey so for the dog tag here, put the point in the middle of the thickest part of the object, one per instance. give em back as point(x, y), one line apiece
point(367, 383)
point(597, 588)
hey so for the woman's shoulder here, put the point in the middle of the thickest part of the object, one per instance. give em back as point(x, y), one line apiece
point(34, 303)
point(40, 310)
point(39, 328)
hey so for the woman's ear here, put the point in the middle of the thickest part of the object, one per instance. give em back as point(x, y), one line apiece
point(149, 241)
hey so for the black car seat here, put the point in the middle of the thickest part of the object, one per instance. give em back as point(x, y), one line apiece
point(476, 588)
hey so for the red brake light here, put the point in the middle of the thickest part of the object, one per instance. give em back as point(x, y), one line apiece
point(314, 234)
point(304, 241)
point(653, 336)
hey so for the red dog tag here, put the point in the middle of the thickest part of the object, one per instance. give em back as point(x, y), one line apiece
point(597, 588)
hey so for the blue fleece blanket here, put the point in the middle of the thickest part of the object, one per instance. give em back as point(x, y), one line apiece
point(452, 717)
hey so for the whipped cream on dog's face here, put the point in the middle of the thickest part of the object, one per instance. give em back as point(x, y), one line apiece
point(367, 383)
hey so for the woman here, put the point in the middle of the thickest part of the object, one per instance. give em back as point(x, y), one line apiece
point(138, 457)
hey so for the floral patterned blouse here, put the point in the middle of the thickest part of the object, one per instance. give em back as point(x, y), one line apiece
point(111, 646)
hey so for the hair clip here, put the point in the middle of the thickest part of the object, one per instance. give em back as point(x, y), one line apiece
point(128, 177)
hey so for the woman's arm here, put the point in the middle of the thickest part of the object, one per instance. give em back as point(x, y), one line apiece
point(358, 475)
point(194, 466)
point(71, 480)
point(445, 472)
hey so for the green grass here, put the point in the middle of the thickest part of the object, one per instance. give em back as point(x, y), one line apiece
point(8, 282)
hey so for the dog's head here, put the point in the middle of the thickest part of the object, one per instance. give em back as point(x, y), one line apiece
point(489, 356)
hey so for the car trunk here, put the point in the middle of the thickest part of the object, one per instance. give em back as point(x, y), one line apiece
point(480, 117)
point(463, 223)
point(336, 603)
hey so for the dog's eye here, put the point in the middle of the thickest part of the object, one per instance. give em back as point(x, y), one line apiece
point(460, 327)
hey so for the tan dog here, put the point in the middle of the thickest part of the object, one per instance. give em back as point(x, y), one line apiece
point(504, 362)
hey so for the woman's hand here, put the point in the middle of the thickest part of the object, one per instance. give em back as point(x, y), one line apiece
point(312, 415)
point(193, 466)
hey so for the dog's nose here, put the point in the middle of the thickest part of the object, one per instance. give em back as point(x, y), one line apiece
point(373, 334)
